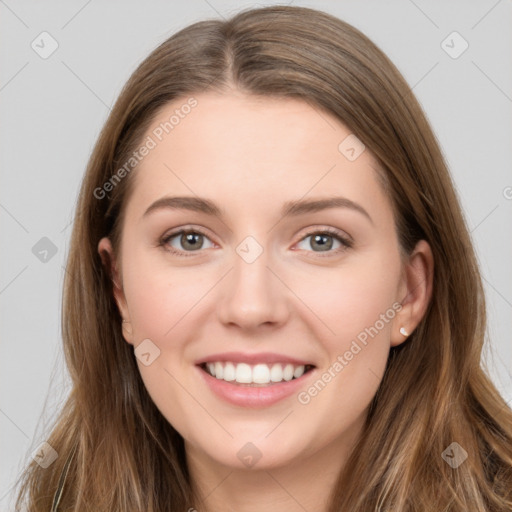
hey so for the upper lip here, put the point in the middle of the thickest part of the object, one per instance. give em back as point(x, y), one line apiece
point(261, 357)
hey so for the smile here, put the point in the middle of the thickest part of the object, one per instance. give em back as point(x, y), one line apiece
point(262, 384)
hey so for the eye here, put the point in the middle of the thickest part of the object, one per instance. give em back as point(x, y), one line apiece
point(186, 241)
point(190, 241)
point(325, 240)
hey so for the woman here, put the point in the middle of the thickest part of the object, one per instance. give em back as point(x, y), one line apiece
point(271, 299)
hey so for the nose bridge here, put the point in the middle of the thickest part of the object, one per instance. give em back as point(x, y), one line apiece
point(252, 295)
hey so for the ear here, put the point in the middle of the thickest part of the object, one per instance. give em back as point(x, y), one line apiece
point(111, 265)
point(415, 291)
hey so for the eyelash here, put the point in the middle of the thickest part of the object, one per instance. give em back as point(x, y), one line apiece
point(345, 242)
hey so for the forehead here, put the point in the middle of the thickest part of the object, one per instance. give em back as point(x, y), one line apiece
point(252, 152)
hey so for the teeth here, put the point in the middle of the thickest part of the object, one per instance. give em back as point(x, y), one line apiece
point(288, 372)
point(254, 374)
point(299, 371)
point(276, 373)
point(260, 374)
point(229, 372)
point(243, 373)
point(219, 370)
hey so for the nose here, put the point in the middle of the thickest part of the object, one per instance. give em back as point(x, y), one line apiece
point(252, 295)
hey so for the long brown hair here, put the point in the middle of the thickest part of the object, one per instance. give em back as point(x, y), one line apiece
point(125, 454)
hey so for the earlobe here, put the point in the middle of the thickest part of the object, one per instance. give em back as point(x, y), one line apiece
point(418, 281)
point(109, 261)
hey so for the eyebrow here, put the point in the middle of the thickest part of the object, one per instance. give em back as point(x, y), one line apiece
point(290, 208)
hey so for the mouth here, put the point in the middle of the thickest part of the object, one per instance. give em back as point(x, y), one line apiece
point(255, 375)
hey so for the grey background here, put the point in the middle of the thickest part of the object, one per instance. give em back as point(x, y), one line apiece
point(52, 111)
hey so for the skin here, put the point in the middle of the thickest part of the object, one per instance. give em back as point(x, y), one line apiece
point(249, 156)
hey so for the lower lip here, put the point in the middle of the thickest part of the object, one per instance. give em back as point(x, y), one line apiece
point(246, 396)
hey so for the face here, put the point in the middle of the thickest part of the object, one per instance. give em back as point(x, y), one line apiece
point(263, 273)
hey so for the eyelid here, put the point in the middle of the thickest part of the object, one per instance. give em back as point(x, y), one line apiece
point(188, 228)
point(335, 232)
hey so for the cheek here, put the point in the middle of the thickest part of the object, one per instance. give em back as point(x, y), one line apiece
point(351, 298)
point(356, 303)
point(161, 303)
point(159, 297)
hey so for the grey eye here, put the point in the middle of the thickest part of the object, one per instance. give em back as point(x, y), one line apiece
point(189, 241)
point(321, 242)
